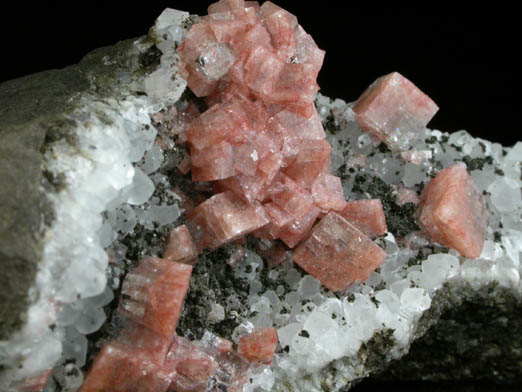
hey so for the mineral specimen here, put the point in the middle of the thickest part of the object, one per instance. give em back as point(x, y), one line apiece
point(262, 137)
point(116, 152)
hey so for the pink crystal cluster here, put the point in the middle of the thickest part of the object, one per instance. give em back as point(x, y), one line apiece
point(261, 142)
point(149, 356)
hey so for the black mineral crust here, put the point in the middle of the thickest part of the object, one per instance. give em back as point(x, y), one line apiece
point(212, 281)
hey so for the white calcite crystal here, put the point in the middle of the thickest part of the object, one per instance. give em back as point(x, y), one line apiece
point(164, 83)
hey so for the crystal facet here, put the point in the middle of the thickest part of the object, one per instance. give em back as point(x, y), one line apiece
point(337, 253)
point(453, 212)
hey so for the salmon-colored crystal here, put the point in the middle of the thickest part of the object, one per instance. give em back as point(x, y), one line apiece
point(281, 25)
point(290, 196)
point(295, 83)
point(259, 346)
point(274, 253)
point(259, 69)
point(328, 193)
point(301, 127)
point(337, 253)
point(231, 373)
point(153, 294)
point(224, 218)
point(253, 187)
point(453, 211)
point(180, 247)
point(311, 160)
point(213, 163)
point(36, 383)
point(192, 367)
point(297, 230)
point(119, 368)
point(224, 121)
point(225, 5)
point(137, 336)
point(367, 215)
point(394, 110)
point(293, 212)
point(279, 219)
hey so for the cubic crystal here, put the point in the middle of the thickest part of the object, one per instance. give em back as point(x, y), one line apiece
point(153, 294)
point(394, 110)
point(367, 215)
point(453, 211)
point(120, 368)
point(259, 346)
point(223, 218)
point(180, 247)
point(191, 366)
point(337, 253)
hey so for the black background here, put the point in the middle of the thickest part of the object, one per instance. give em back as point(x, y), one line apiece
point(465, 61)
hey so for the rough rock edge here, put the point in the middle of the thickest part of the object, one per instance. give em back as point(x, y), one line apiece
point(34, 111)
point(39, 112)
point(464, 330)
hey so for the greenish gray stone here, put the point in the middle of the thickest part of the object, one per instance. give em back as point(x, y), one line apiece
point(466, 335)
point(34, 113)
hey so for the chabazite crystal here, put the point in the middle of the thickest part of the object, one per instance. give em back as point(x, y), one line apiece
point(261, 123)
point(153, 294)
point(259, 346)
point(328, 193)
point(337, 253)
point(136, 336)
point(180, 247)
point(192, 366)
point(453, 212)
point(230, 375)
point(367, 216)
point(292, 210)
point(223, 218)
point(120, 368)
point(394, 110)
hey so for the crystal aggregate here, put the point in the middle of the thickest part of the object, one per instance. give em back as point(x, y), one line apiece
point(261, 137)
point(314, 326)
